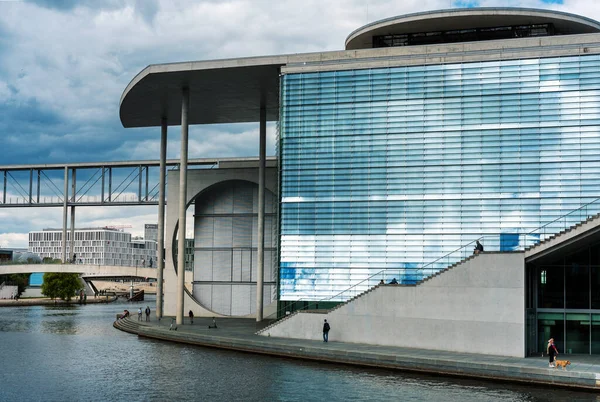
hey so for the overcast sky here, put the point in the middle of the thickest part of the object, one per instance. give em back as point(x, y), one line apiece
point(65, 63)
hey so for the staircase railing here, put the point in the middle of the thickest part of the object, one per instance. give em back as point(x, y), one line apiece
point(489, 242)
point(521, 242)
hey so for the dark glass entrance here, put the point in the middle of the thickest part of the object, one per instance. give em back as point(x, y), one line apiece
point(563, 300)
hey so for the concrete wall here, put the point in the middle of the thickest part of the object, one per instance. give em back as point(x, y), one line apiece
point(200, 180)
point(8, 290)
point(476, 307)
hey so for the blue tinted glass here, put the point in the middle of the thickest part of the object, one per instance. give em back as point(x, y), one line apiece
point(393, 168)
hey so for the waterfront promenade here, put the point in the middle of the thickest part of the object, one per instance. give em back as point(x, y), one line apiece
point(239, 334)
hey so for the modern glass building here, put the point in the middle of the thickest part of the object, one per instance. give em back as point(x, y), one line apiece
point(392, 168)
point(428, 132)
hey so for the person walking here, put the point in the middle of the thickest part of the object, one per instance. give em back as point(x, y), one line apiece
point(191, 315)
point(147, 313)
point(140, 314)
point(326, 328)
point(552, 352)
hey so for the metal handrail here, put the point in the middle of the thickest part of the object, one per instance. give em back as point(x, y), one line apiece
point(420, 270)
point(565, 215)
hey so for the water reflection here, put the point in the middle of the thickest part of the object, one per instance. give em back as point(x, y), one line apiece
point(73, 353)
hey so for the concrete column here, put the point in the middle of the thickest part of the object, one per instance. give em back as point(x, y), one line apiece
point(65, 205)
point(185, 103)
point(109, 184)
point(146, 195)
point(72, 239)
point(102, 190)
point(73, 199)
point(140, 174)
point(4, 190)
point(38, 186)
point(30, 186)
point(261, 212)
point(161, 219)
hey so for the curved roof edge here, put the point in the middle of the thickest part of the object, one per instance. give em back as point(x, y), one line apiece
point(428, 21)
point(226, 90)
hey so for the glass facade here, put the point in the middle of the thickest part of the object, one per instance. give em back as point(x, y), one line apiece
point(392, 168)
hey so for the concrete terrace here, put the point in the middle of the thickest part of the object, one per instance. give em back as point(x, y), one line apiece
point(240, 335)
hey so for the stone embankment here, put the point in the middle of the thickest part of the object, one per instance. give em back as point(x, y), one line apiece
point(240, 335)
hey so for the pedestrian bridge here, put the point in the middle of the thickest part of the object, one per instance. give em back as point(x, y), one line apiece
point(85, 270)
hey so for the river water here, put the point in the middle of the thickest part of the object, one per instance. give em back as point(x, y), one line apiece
point(52, 353)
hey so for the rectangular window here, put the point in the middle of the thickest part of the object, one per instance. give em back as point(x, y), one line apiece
point(578, 333)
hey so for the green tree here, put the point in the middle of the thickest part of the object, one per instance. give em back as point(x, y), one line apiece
point(61, 285)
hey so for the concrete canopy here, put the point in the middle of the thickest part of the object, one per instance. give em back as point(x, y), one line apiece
point(221, 91)
point(467, 18)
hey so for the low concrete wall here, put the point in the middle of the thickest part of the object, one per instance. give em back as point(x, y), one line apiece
point(7, 291)
point(476, 307)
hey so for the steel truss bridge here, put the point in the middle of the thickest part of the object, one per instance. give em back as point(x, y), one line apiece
point(92, 183)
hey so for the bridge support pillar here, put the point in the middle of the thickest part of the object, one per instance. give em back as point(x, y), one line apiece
point(72, 235)
point(261, 211)
point(161, 219)
point(65, 206)
point(185, 102)
point(73, 199)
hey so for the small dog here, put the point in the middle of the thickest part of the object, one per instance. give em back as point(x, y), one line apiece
point(561, 363)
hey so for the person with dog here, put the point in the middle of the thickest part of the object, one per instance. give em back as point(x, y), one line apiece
point(552, 352)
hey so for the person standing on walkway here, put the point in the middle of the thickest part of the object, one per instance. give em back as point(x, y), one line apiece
point(552, 352)
point(326, 328)
point(147, 313)
point(140, 314)
point(191, 315)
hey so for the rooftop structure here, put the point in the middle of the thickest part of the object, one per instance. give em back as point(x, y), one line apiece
point(467, 25)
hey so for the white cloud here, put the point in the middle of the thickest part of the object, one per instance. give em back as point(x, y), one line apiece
point(74, 62)
point(13, 240)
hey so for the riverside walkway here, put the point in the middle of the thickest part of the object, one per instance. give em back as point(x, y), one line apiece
point(239, 334)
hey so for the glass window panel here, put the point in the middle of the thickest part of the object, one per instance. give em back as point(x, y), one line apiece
point(577, 334)
point(551, 325)
point(595, 334)
point(577, 280)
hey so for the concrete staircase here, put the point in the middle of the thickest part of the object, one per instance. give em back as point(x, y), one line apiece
point(129, 325)
point(565, 237)
point(589, 226)
point(366, 292)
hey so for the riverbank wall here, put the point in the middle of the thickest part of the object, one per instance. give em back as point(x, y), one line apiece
point(235, 334)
